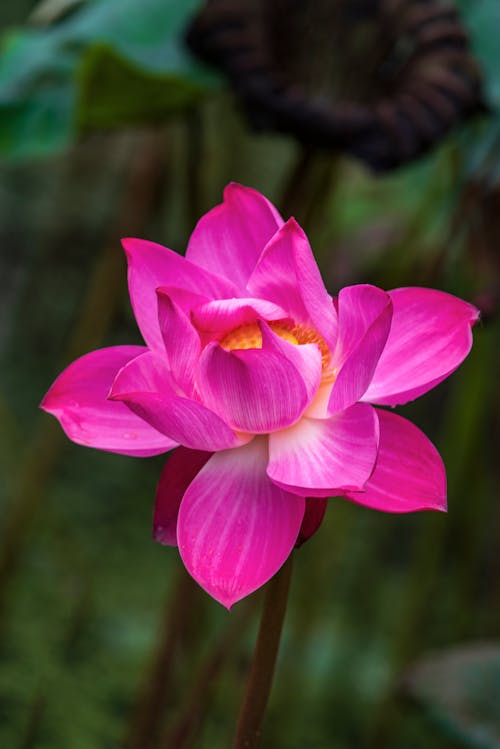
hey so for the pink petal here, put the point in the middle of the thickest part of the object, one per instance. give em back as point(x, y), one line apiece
point(317, 457)
point(182, 342)
point(145, 386)
point(180, 469)
point(365, 314)
point(257, 390)
point(287, 275)
point(228, 240)
point(313, 517)
point(151, 266)
point(306, 358)
point(409, 474)
point(235, 527)
point(185, 300)
point(430, 336)
point(359, 307)
point(78, 398)
point(319, 405)
point(223, 315)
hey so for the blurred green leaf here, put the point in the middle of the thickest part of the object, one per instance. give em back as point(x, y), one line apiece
point(37, 125)
point(481, 149)
point(482, 18)
point(480, 139)
point(110, 63)
point(114, 92)
point(460, 689)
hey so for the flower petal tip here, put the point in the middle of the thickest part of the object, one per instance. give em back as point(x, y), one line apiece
point(428, 504)
point(223, 594)
point(234, 187)
point(292, 225)
point(225, 600)
point(163, 535)
point(127, 244)
point(45, 405)
point(434, 504)
point(441, 505)
point(476, 315)
point(236, 190)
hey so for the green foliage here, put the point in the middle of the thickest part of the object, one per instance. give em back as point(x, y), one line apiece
point(111, 62)
point(115, 92)
point(460, 689)
point(482, 18)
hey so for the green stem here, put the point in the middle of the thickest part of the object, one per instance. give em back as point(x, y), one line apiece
point(253, 707)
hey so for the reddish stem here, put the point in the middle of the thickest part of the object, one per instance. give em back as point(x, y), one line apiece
point(253, 707)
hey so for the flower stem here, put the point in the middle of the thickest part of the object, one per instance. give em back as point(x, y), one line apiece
point(254, 703)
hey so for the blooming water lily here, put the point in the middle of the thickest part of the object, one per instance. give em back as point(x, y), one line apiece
point(264, 385)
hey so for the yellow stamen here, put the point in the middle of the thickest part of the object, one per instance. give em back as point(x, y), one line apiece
point(249, 336)
point(246, 336)
point(303, 334)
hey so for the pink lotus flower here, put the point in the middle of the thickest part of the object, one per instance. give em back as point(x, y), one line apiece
point(264, 384)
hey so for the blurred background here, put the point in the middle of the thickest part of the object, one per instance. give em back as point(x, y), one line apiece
point(377, 124)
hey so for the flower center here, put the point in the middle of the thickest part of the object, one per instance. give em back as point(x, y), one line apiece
point(249, 336)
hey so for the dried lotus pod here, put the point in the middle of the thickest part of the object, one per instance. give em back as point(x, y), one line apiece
point(384, 80)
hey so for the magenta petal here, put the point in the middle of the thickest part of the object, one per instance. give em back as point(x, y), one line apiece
point(185, 300)
point(223, 315)
point(228, 239)
point(235, 527)
point(359, 307)
point(306, 358)
point(182, 342)
point(180, 469)
point(409, 474)
point(253, 390)
point(287, 274)
point(151, 266)
point(145, 386)
point(319, 457)
point(78, 398)
point(430, 336)
point(365, 314)
point(313, 517)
